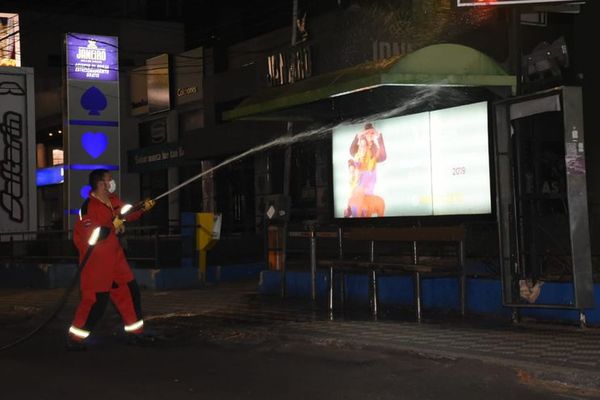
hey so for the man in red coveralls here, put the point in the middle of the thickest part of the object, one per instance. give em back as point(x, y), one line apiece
point(106, 274)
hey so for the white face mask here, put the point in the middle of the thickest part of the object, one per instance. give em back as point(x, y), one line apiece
point(112, 186)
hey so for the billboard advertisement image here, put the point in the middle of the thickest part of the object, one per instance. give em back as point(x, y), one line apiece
point(431, 163)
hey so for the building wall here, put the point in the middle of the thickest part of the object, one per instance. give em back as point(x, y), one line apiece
point(42, 36)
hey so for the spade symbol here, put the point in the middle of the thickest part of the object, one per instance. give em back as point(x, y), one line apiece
point(93, 100)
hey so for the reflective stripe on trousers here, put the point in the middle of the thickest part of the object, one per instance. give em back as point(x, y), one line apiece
point(78, 332)
point(135, 326)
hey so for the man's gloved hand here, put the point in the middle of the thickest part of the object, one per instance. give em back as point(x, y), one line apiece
point(119, 225)
point(148, 204)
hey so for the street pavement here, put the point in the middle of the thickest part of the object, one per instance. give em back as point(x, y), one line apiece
point(227, 341)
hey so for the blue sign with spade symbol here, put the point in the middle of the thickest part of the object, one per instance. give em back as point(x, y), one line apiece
point(93, 118)
point(94, 101)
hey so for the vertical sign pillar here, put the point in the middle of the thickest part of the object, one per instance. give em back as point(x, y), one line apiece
point(92, 138)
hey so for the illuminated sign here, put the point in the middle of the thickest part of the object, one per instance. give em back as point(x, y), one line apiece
point(156, 157)
point(56, 175)
point(289, 66)
point(91, 167)
point(10, 45)
point(469, 3)
point(92, 57)
point(187, 91)
point(93, 109)
point(431, 163)
point(50, 176)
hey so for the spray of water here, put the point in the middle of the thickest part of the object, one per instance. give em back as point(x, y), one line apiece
point(425, 94)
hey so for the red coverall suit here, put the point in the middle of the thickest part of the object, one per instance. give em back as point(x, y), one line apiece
point(106, 273)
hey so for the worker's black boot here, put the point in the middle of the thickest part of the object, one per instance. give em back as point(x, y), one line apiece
point(75, 345)
point(142, 339)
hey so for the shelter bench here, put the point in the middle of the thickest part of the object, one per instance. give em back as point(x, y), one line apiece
point(396, 265)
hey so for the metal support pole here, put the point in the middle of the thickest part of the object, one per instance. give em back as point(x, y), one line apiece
point(373, 281)
point(340, 243)
point(283, 284)
point(515, 316)
point(418, 294)
point(514, 45)
point(417, 282)
point(463, 278)
point(582, 319)
point(415, 256)
point(287, 161)
point(283, 263)
point(202, 266)
point(313, 266)
point(374, 293)
point(330, 292)
point(342, 290)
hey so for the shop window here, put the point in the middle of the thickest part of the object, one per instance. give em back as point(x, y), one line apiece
point(58, 157)
point(152, 184)
point(190, 196)
point(235, 196)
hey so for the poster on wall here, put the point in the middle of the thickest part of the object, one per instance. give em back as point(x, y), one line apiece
point(431, 163)
point(17, 151)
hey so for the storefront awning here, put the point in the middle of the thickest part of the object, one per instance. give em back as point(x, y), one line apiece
point(441, 65)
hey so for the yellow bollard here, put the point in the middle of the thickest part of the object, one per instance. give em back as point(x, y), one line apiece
point(208, 232)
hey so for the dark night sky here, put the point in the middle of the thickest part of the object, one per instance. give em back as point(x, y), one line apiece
point(207, 22)
point(231, 21)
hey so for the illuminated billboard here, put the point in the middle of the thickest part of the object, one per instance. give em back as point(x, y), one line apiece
point(10, 45)
point(431, 163)
point(92, 57)
point(92, 117)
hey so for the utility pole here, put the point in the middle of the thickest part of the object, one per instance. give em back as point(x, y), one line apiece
point(514, 45)
point(287, 160)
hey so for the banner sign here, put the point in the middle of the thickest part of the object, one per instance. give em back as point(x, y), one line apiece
point(18, 194)
point(156, 157)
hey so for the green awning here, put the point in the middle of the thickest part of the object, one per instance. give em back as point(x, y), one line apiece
point(446, 65)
